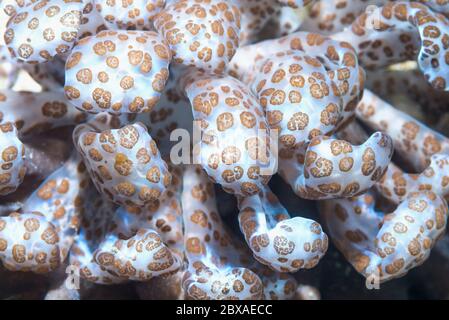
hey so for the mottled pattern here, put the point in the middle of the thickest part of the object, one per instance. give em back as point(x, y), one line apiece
point(37, 112)
point(117, 71)
point(386, 246)
point(218, 264)
point(141, 257)
point(49, 222)
point(201, 33)
point(12, 162)
point(134, 81)
point(334, 168)
point(283, 243)
point(401, 31)
point(129, 14)
point(235, 143)
point(124, 163)
point(29, 242)
point(38, 32)
point(413, 141)
point(396, 185)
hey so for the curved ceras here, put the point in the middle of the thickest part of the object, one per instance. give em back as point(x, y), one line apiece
point(12, 162)
point(227, 112)
point(47, 223)
point(413, 141)
point(396, 185)
point(38, 32)
point(21, 115)
point(117, 71)
point(317, 75)
point(117, 244)
point(140, 257)
point(410, 83)
point(401, 31)
point(332, 16)
point(283, 243)
point(101, 250)
point(49, 75)
point(127, 169)
point(218, 265)
point(381, 245)
point(201, 33)
point(235, 143)
point(333, 168)
point(385, 246)
point(125, 15)
point(308, 91)
point(332, 65)
point(125, 163)
point(163, 216)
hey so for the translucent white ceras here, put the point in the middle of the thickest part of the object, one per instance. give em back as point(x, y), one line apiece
point(303, 97)
point(204, 222)
point(127, 15)
point(95, 222)
point(60, 198)
point(235, 143)
point(401, 31)
point(38, 32)
point(386, 246)
point(413, 141)
point(396, 185)
point(28, 242)
point(100, 252)
point(201, 33)
point(255, 14)
point(331, 16)
point(117, 71)
point(141, 257)
point(284, 244)
point(12, 162)
point(318, 78)
point(412, 84)
point(163, 215)
point(34, 112)
point(21, 115)
point(124, 163)
point(335, 168)
point(328, 167)
point(39, 238)
point(214, 271)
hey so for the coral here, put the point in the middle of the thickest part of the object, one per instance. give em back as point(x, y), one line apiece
point(211, 149)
